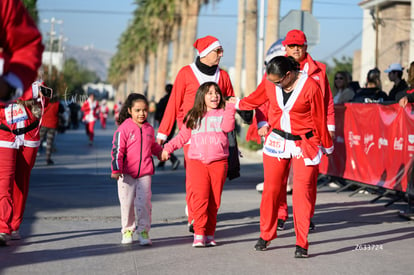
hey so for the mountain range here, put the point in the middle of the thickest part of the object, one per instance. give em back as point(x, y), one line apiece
point(90, 58)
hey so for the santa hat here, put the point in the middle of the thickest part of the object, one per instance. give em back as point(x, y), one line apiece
point(206, 44)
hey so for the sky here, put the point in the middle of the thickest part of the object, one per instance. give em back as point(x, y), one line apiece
point(99, 23)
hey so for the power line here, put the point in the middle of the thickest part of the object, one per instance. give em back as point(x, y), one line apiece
point(346, 44)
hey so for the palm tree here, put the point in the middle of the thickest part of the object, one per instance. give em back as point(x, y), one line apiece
point(272, 23)
point(251, 46)
point(238, 63)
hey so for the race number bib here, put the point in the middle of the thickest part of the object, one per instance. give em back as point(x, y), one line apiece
point(274, 145)
point(15, 113)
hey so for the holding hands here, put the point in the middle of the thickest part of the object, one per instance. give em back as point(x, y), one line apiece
point(232, 99)
point(164, 155)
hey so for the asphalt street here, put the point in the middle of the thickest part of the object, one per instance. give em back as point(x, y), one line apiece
point(72, 224)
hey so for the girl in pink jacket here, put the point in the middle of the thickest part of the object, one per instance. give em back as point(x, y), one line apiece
point(132, 165)
point(206, 126)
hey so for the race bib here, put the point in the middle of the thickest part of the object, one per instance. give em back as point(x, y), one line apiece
point(274, 145)
point(15, 113)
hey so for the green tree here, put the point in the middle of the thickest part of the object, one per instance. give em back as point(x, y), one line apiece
point(31, 6)
point(74, 77)
point(343, 64)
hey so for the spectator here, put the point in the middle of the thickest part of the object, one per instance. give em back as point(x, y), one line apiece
point(372, 92)
point(395, 72)
point(410, 83)
point(343, 92)
point(159, 113)
point(21, 56)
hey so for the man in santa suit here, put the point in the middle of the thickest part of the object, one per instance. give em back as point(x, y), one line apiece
point(20, 58)
point(189, 78)
point(90, 109)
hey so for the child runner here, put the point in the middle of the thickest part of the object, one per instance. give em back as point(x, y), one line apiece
point(206, 126)
point(132, 165)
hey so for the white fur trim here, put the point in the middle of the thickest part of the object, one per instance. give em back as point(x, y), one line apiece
point(207, 50)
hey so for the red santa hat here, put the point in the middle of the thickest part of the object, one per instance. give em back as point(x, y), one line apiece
point(206, 44)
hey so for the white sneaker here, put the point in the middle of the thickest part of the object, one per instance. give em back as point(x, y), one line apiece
point(127, 237)
point(144, 238)
point(259, 187)
point(15, 235)
point(4, 238)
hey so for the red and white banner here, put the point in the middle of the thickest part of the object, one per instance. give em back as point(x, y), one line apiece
point(374, 144)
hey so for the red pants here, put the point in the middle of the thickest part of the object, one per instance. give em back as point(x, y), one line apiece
point(103, 122)
point(15, 168)
point(304, 186)
point(206, 193)
point(283, 207)
point(89, 127)
point(188, 192)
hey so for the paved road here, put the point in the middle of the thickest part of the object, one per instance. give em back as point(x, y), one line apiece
point(72, 225)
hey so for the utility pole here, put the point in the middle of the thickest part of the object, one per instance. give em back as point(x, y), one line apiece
point(307, 5)
point(52, 34)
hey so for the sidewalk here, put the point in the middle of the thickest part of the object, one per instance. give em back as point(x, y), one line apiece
point(72, 225)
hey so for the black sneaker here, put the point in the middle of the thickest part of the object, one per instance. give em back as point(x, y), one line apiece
point(311, 226)
point(50, 162)
point(191, 227)
point(261, 245)
point(280, 224)
point(301, 252)
point(176, 164)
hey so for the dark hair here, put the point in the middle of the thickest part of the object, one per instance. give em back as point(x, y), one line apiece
point(280, 65)
point(193, 117)
point(130, 101)
point(168, 88)
point(346, 76)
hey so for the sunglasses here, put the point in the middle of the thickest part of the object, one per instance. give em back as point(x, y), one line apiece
point(339, 77)
point(219, 50)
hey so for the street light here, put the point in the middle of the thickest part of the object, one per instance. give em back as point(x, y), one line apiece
point(52, 34)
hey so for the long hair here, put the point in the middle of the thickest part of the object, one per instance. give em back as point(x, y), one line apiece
point(280, 65)
point(345, 76)
point(194, 116)
point(410, 77)
point(130, 101)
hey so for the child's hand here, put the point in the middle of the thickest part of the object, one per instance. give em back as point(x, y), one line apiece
point(116, 176)
point(165, 155)
point(232, 100)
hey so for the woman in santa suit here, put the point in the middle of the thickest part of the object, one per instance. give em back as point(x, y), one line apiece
point(297, 135)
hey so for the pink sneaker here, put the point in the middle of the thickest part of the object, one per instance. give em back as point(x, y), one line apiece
point(210, 241)
point(199, 241)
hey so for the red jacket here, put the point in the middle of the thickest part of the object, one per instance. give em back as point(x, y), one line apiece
point(50, 118)
point(22, 48)
point(183, 94)
point(21, 42)
point(303, 113)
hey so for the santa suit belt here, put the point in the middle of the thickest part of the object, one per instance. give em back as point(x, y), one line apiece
point(290, 136)
point(20, 131)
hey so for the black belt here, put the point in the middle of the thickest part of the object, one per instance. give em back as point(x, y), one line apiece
point(289, 136)
point(20, 131)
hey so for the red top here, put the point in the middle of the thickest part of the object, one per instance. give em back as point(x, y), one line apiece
point(50, 118)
